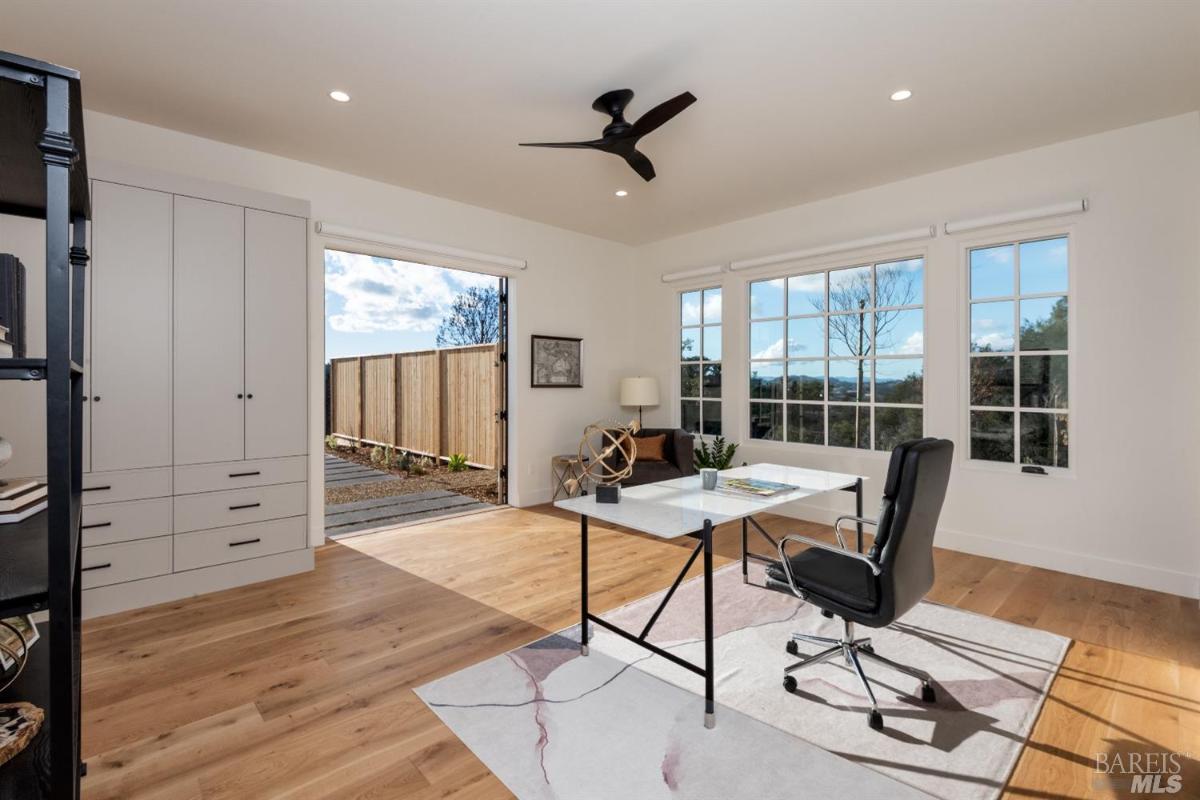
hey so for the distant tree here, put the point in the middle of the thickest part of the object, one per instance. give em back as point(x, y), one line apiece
point(893, 288)
point(474, 318)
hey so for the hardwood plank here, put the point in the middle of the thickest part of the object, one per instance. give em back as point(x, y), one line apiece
point(303, 687)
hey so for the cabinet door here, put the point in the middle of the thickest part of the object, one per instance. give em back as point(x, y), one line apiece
point(276, 335)
point(209, 409)
point(129, 380)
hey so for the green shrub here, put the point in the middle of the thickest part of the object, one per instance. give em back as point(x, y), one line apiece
point(718, 456)
point(378, 455)
point(457, 462)
point(420, 466)
point(405, 461)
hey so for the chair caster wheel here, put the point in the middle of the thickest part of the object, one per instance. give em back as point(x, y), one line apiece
point(789, 684)
point(826, 614)
point(928, 695)
point(875, 720)
point(792, 648)
point(867, 648)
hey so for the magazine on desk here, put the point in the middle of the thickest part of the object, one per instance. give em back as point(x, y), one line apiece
point(753, 487)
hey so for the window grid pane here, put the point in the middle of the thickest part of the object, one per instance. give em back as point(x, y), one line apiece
point(700, 361)
point(826, 346)
point(1019, 400)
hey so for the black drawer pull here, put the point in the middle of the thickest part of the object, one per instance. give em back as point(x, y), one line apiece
point(95, 488)
point(244, 474)
point(97, 566)
point(245, 505)
point(244, 541)
point(95, 525)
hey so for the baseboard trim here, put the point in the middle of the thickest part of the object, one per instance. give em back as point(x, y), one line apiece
point(1073, 563)
point(179, 585)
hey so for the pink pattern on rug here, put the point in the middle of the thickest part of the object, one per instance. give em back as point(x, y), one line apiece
point(538, 700)
point(670, 765)
point(683, 618)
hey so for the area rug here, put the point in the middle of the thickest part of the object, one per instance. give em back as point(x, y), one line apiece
point(622, 723)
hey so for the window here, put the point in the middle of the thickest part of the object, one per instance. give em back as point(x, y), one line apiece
point(700, 361)
point(1019, 345)
point(837, 357)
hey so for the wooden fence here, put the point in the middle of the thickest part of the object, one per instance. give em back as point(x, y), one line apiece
point(432, 402)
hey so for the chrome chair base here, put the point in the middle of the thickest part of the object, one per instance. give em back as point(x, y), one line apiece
point(852, 650)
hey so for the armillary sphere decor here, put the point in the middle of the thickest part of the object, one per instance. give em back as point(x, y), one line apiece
point(600, 441)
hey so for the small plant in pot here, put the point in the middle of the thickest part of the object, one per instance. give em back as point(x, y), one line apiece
point(715, 455)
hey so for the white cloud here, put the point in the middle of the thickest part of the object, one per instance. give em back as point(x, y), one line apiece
point(775, 350)
point(380, 294)
point(913, 345)
point(712, 307)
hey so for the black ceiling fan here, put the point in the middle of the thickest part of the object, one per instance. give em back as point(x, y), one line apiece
point(620, 137)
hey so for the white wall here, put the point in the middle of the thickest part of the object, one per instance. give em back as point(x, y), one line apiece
point(575, 285)
point(1129, 512)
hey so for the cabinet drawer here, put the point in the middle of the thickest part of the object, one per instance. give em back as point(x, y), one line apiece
point(239, 474)
point(134, 484)
point(106, 523)
point(222, 545)
point(128, 561)
point(194, 512)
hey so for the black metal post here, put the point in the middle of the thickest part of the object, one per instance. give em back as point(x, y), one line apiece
point(583, 550)
point(58, 155)
point(710, 709)
point(745, 559)
point(858, 511)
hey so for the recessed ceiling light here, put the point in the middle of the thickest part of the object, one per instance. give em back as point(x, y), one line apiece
point(901, 94)
point(621, 192)
point(340, 96)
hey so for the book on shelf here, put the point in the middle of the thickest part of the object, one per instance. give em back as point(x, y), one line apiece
point(755, 487)
point(20, 494)
point(24, 512)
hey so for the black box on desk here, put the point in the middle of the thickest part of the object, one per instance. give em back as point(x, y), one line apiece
point(608, 493)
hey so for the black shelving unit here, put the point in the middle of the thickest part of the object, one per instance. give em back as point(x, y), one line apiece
point(43, 175)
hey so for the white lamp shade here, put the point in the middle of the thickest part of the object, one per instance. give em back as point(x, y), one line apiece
point(639, 391)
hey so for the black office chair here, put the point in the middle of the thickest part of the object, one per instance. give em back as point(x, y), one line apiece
point(878, 587)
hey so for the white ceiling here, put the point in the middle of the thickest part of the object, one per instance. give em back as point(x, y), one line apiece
point(793, 97)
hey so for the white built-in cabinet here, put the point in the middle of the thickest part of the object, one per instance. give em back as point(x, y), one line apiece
point(129, 379)
point(240, 348)
point(276, 358)
point(196, 371)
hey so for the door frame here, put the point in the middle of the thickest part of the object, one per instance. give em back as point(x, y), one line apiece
point(318, 243)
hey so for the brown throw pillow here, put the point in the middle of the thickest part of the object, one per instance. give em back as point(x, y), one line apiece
point(650, 448)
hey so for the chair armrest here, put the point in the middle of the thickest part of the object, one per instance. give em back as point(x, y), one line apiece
point(787, 567)
point(837, 528)
point(683, 444)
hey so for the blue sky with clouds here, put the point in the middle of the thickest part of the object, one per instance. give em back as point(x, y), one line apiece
point(379, 305)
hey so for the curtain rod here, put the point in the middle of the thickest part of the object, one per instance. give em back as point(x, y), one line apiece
point(418, 248)
point(1056, 210)
point(927, 232)
point(671, 277)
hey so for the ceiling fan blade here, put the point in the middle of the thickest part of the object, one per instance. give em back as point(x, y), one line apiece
point(661, 113)
point(641, 165)
point(593, 144)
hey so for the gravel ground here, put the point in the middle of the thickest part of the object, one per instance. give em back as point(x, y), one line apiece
point(477, 483)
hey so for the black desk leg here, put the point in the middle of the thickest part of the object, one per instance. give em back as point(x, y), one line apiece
point(710, 715)
point(745, 560)
point(583, 569)
point(858, 512)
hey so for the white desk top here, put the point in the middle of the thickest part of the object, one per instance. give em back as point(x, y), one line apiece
point(670, 509)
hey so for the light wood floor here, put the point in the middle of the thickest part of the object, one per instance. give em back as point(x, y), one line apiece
point(302, 687)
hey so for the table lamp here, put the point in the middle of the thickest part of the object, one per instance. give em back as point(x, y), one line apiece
point(639, 392)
